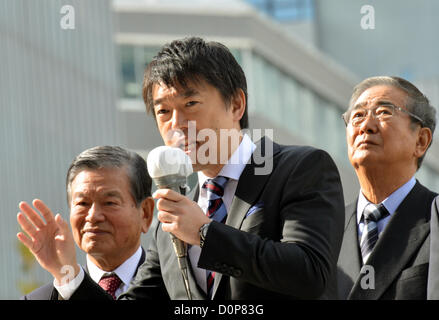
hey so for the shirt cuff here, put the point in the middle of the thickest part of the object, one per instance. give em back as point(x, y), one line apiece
point(67, 289)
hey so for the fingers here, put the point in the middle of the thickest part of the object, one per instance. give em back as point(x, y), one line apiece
point(30, 213)
point(63, 228)
point(167, 205)
point(45, 211)
point(30, 232)
point(26, 225)
point(166, 217)
point(32, 223)
point(25, 240)
point(168, 194)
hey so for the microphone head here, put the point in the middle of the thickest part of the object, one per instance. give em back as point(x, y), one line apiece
point(165, 160)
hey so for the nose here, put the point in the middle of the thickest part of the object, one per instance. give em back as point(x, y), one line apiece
point(95, 214)
point(369, 124)
point(179, 120)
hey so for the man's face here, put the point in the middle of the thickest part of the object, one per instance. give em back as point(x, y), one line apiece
point(178, 109)
point(390, 143)
point(105, 221)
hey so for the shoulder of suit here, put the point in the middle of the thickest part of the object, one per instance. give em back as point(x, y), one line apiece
point(301, 151)
point(44, 292)
point(423, 188)
point(421, 194)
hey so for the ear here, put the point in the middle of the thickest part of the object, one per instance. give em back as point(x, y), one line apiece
point(423, 141)
point(238, 104)
point(147, 207)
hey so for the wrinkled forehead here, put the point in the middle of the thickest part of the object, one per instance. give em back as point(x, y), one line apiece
point(380, 95)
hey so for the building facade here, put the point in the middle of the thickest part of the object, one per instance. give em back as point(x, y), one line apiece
point(58, 94)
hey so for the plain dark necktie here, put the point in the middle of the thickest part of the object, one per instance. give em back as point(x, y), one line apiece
point(217, 211)
point(371, 215)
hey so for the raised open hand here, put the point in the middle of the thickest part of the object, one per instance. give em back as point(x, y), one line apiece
point(50, 239)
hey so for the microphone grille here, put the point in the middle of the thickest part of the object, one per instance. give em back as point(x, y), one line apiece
point(165, 160)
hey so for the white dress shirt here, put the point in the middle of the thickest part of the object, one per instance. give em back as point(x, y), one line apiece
point(391, 203)
point(232, 170)
point(125, 272)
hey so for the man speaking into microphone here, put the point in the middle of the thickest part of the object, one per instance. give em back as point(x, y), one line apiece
point(266, 220)
point(251, 234)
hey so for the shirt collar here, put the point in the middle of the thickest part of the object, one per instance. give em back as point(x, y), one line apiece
point(237, 162)
point(125, 271)
point(391, 203)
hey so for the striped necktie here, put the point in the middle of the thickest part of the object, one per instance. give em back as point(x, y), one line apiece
point(217, 211)
point(372, 214)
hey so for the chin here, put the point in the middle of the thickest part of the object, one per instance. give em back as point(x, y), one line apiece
point(93, 247)
point(365, 160)
point(197, 167)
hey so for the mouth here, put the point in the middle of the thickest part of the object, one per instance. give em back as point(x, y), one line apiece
point(187, 147)
point(190, 147)
point(93, 232)
point(366, 143)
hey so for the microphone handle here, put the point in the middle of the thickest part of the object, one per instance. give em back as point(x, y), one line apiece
point(178, 184)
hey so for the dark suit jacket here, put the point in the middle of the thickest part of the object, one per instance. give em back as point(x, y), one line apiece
point(400, 257)
point(286, 249)
point(48, 291)
point(433, 274)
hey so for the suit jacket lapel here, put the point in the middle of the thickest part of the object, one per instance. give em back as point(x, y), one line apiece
point(196, 290)
point(141, 261)
point(349, 262)
point(405, 232)
point(250, 184)
point(246, 196)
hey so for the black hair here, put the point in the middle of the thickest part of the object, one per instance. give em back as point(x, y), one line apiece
point(193, 59)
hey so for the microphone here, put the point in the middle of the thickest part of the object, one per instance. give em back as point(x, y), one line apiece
point(169, 168)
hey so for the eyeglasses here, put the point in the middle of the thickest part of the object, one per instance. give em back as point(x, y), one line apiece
point(383, 113)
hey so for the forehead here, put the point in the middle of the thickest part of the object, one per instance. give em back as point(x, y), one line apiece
point(101, 180)
point(161, 91)
point(376, 94)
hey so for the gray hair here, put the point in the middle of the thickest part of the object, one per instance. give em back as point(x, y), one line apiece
point(417, 102)
point(113, 157)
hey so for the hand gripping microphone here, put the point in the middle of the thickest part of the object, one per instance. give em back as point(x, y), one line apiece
point(169, 168)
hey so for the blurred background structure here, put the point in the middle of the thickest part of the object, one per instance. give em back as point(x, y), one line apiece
point(65, 90)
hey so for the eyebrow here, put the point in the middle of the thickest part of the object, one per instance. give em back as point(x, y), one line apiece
point(379, 103)
point(189, 92)
point(111, 193)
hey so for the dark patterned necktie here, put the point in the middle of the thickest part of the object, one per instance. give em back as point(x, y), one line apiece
point(217, 211)
point(372, 214)
point(110, 284)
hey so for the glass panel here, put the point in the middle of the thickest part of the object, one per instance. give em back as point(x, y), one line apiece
point(291, 106)
point(237, 54)
point(128, 74)
point(307, 123)
point(285, 10)
point(148, 54)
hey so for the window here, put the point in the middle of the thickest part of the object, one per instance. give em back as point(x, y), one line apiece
point(285, 10)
